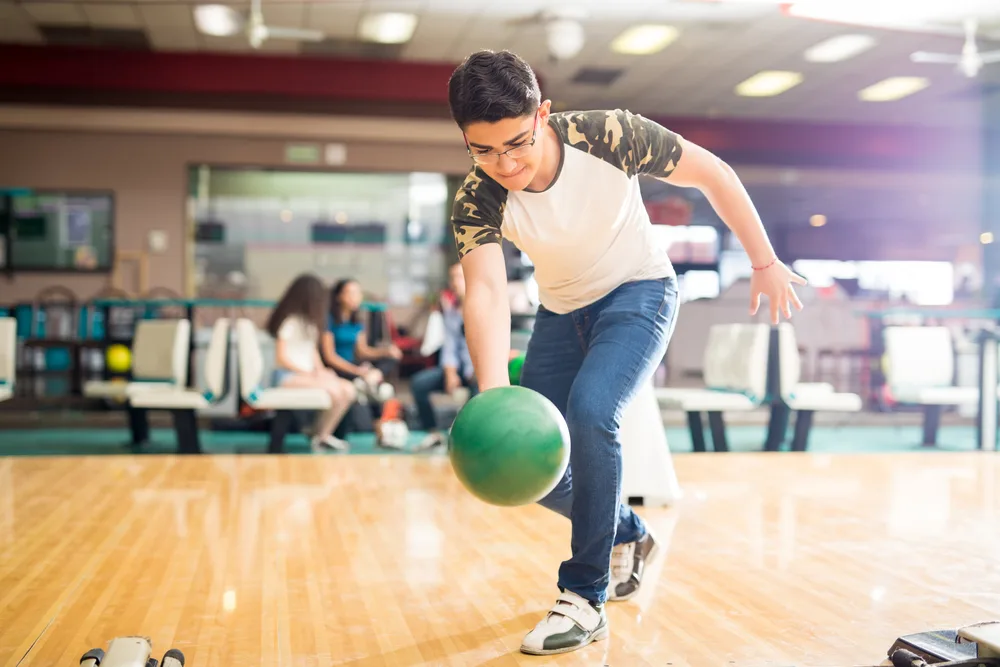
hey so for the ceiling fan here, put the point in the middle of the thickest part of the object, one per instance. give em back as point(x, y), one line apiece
point(225, 21)
point(971, 59)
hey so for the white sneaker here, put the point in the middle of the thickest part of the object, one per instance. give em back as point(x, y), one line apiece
point(329, 442)
point(571, 624)
point(430, 441)
point(628, 562)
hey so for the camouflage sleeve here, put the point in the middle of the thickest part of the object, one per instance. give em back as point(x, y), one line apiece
point(626, 140)
point(477, 214)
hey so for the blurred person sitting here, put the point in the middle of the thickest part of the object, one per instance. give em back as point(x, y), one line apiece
point(454, 370)
point(345, 349)
point(295, 324)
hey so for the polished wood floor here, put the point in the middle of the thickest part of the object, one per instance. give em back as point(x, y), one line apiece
point(774, 560)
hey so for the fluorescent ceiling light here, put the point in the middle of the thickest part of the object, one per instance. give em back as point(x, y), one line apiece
point(839, 48)
point(768, 83)
point(217, 20)
point(388, 28)
point(644, 39)
point(893, 88)
point(872, 12)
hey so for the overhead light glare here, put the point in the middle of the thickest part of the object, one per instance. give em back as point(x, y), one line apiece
point(217, 20)
point(893, 88)
point(645, 39)
point(839, 48)
point(388, 27)
point(769, 83)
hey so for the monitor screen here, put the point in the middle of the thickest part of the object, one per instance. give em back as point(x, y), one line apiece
point(59, 231)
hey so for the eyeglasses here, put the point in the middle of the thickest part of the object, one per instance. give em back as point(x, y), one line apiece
point(513, 153)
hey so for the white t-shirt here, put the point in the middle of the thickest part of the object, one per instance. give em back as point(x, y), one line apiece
point(301, 339)
point(588, 232)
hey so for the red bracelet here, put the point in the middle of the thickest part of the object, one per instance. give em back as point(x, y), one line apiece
point(761, 268)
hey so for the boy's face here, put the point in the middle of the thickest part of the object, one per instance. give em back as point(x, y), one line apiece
point(521, 142)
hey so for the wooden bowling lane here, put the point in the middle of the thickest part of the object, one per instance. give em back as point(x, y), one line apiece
point(363, 560)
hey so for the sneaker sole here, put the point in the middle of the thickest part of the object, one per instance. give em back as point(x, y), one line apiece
point(596, 637)
point(649, 559)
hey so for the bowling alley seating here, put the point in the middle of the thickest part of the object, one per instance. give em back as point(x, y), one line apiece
point(183, 403)
point(735, 374)
point(802, 398)
point(8, 356)
point(285, 402)
point(920, 370)
point(159, 360)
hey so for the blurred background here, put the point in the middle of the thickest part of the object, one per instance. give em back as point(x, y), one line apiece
point(191, 159)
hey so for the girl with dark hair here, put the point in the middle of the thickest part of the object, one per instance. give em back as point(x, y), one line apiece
point(295, 324)
point(345, 349)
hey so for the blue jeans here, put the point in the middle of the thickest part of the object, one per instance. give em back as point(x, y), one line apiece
point(590, 363)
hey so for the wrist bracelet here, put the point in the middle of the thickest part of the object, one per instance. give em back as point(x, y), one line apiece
point(767, 266)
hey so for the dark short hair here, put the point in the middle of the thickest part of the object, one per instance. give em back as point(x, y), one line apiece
point(490, 86)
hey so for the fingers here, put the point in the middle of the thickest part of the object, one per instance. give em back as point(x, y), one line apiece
point(754, 303)
point(796, 278)
point(795, 298)
point(774, 311)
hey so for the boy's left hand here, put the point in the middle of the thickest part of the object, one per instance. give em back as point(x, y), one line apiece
point(776, 282)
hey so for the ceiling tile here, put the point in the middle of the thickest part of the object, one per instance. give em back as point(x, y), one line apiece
point(16, 27)
point(433, 37)
point(56, 13)
point(285, 15)
point(112, 16)
point(174, 39)
point(166, 16)
point(339, 20)
point(225, 44)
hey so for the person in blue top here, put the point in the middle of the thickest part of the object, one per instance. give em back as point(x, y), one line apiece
point(454, 369)
point(345, 349)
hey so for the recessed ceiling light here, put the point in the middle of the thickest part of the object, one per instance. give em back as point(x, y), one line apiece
point(644, 39)
point(768, 83)
point(817, 220)
point(839, 48)
point(986, 238)
point(893, 88)
point(388, 27)
point(217, 20)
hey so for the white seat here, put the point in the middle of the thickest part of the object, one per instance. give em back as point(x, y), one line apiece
point(283, 400)
point(184, 403)
point(172, 397)
point(920, 370)
point(704, 400)
point(290, 398)
point(936, 395)
point(735, 372)
point(805, 398)
point(8, 356)
point(159, 361)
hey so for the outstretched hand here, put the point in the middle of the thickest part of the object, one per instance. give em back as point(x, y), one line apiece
point(775, 282)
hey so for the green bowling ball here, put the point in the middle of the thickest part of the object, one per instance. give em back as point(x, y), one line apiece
point(514, 367)
point(509, 446)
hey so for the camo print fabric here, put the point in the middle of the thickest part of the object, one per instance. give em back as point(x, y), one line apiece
point(477, 213)
point(625, 140)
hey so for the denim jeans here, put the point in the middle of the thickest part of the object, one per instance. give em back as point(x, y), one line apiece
point(590, 363)
point(427, 381)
